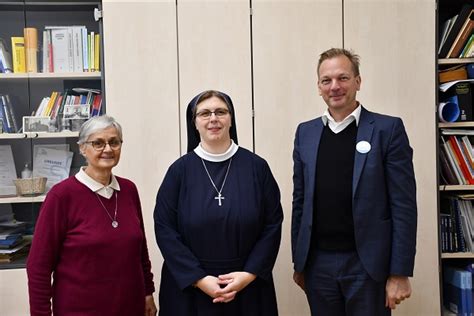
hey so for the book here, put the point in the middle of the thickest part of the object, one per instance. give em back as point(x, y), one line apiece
point(11, 113)
point(457, 287)
point(18, 54)
point(97, 52)
point(463, 36)
point(85, 50)
point(8, 125)
point(455, 29)
point(96, 105)
point(5, 58)
point(447, 172)
point(467, 47)
point(31, 49)
point(92, 52)
point(77, 48)
point(452, 141)
point(453, 162)
point(62, 58)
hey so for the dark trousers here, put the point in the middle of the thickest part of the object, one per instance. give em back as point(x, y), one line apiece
point(338, 285)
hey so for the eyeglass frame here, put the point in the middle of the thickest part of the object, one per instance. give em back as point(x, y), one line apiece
point(226, 112)
point(119, 145)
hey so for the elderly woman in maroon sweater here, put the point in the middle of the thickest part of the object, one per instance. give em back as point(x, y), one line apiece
point(90, 238)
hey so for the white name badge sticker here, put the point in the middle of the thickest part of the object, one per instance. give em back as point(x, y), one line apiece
point(363, 147)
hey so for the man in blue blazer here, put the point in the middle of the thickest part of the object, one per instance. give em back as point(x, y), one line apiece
point(354, 201)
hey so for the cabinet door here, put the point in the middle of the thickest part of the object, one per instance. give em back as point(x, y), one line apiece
point(396, 42)
point(141, 64)
point(214, 53)
point(287, 40)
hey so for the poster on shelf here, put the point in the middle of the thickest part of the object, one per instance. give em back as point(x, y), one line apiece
point(7, 171)
point(51, 163)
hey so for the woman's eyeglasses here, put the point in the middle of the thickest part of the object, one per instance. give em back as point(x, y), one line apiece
point(100, 144)
point(206, 114)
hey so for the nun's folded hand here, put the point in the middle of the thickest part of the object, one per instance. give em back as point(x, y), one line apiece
point(209, 285)
point(232, 283)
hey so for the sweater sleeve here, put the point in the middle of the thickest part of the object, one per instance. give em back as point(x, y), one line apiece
point(146, 264)
point(50, 232)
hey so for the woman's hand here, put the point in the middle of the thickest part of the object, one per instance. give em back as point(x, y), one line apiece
point(150, 308)
point(209, 285)
point(233, 283)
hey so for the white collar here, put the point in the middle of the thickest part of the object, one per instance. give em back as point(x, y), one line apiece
point(355, 115)
point(103, 190)
point(217, 157)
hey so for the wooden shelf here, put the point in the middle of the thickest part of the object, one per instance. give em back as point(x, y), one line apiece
point(63, 134)
point(53, 75)
point(457, 255)
point(448, 61)
point(456, 124)
point(466, 187)
point(22, 199)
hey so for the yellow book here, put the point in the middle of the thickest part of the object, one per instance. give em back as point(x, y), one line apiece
point(18, 54)
point(49, 107)
point(96, 52)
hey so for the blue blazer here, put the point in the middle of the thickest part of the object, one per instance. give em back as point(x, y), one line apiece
point(383, 195)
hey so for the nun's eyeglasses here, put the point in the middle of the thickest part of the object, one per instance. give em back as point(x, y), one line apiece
point(100, 144)
point(206, 114)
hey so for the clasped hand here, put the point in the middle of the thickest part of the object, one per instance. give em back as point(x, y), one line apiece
point(224, 287)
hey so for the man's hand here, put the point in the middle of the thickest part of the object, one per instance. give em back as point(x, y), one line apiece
point(298, 277)
point(397, 289)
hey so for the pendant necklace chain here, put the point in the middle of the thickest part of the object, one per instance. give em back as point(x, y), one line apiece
point(114, 219)
point(219, 196)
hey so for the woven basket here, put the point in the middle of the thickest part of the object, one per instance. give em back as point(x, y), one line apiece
point(30, 186)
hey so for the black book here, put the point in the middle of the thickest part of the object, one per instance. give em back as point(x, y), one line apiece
point(453, 33)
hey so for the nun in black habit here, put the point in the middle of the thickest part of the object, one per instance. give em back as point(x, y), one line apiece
point(217, 221)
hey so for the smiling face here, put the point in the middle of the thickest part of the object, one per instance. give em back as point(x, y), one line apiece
point(338, 85)
point(213, 130)
point(105, 159)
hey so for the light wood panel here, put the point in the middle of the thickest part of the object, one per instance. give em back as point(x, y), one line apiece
point(14, 293)
point(142, 94)
point(395, 40)
point(214, 53)
point(288, 37)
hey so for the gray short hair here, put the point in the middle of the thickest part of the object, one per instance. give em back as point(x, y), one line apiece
point(97, 124)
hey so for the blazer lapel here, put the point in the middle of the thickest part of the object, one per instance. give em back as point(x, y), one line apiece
point(312, 146)
point(364, 133)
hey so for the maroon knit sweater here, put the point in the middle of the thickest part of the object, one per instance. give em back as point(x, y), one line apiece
point(97, 269)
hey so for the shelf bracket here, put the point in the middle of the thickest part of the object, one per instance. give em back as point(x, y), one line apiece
point(97, 14)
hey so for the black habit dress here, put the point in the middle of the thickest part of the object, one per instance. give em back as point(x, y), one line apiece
point(197, 237)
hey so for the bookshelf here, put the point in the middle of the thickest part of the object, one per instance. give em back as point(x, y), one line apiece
point(78, 24)
point(455, 205)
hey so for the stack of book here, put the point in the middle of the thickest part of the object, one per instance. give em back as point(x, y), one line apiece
point(456, 39)
point(12, 243)
point(63, 48)
point(8, 119)
point(457, 157)
point(457, 289)
point(457, 224)
point(76, 103)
